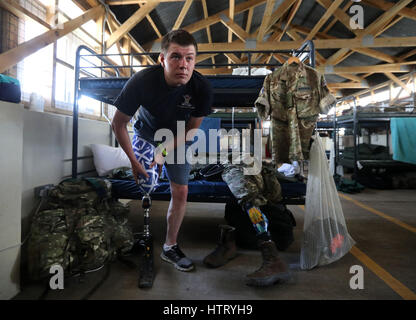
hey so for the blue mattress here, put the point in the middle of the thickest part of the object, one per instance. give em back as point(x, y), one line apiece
point(229, 91)
point(202, 191)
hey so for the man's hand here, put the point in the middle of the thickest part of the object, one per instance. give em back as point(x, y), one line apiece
point(137, 170)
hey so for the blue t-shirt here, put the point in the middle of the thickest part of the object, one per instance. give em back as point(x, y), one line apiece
point(162, 106)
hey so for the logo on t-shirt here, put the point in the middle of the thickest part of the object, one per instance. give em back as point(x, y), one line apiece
point(185, 104)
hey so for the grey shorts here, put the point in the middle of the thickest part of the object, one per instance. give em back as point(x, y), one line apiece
point(178, 173)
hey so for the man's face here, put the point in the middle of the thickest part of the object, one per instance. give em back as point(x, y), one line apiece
point(178, 63)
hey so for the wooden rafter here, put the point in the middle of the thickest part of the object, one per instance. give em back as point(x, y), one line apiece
point(377, 25)
point(208, 29)
point(334, 6)
point(290, 18)
point(21, 12)
point(231, 16)
point(13, 56)
point(215, 18)
point(401, 90)
point(126, 2)
point(399, 82)
point(153, 24)
point(182, 14)
point(135, 46)
point(319, 44)
point(385, 5)
point(249, 19)
point(366, 51)
point(348, 85)
point(278, 13)
point(335, 20)
point(235, 28)
point(266, 19)
point(369, 31)
point(131, 22)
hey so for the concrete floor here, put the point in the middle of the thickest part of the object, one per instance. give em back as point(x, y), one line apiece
point(384, 248)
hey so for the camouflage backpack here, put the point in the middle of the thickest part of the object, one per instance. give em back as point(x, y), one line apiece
point(79, 227)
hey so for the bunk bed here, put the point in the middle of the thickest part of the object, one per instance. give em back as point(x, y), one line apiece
point(378, 156)
point(229, 91)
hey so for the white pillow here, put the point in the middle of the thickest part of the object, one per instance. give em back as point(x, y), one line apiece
point(107, 158)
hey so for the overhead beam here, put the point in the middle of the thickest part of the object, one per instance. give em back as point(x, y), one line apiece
point(291, 16)
point(368, 33)
point(385, 5)
point(382, 68)
point(182, 14)
point(213, 19)
point(278, 13)
point(268, 10)
point(153, 24)
point(13, 56)
point(208, 29)
point(328, 13)
point(335, 20)
point(231, 15)
point(366, 51)
point(134, 44)
point(235, 28)
point(377, 25)
point(21, 12)
point(319, 44)
point(131, 22)
point(215, 71)
point(399, 82)
point(340, 15)
point(348, 85)
point(126, 2)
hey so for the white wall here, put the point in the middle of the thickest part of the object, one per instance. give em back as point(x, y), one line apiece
point(11, 149)
point(47, 151)
point(36, 149)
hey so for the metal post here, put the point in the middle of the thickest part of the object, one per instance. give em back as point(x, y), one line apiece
point(75, 117)
point(355, 126)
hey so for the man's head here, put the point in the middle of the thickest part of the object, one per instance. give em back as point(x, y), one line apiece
point(178, 55)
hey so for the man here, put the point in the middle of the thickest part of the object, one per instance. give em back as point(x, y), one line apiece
point(164, 95)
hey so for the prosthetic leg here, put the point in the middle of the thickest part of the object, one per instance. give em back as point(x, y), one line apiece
point(146, 242)
point(273, 269)
point(144, 152)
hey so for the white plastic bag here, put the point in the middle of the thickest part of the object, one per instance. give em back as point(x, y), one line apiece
point(325, 234)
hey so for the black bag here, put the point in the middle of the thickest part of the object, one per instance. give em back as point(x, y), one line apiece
point(281, 224)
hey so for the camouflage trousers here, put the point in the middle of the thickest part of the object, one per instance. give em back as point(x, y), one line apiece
point(291, 139)
point(255, 189)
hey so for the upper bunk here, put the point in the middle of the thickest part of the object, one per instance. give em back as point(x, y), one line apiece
point(229, 90)
point(99, 77)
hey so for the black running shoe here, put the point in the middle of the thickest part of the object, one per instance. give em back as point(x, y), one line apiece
point(175, 256)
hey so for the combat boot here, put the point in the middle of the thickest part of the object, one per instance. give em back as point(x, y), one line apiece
point(226, 249)
point(273, 268)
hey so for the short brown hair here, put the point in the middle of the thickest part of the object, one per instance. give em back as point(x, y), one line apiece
point(181, 37)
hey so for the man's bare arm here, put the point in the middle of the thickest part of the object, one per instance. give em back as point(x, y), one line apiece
point(119, 125)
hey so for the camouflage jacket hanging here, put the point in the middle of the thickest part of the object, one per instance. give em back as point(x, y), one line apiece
point(293, 96)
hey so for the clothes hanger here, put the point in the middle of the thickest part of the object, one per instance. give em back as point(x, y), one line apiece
point(293, 59)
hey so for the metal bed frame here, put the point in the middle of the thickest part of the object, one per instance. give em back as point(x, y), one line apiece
point(356, 121)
